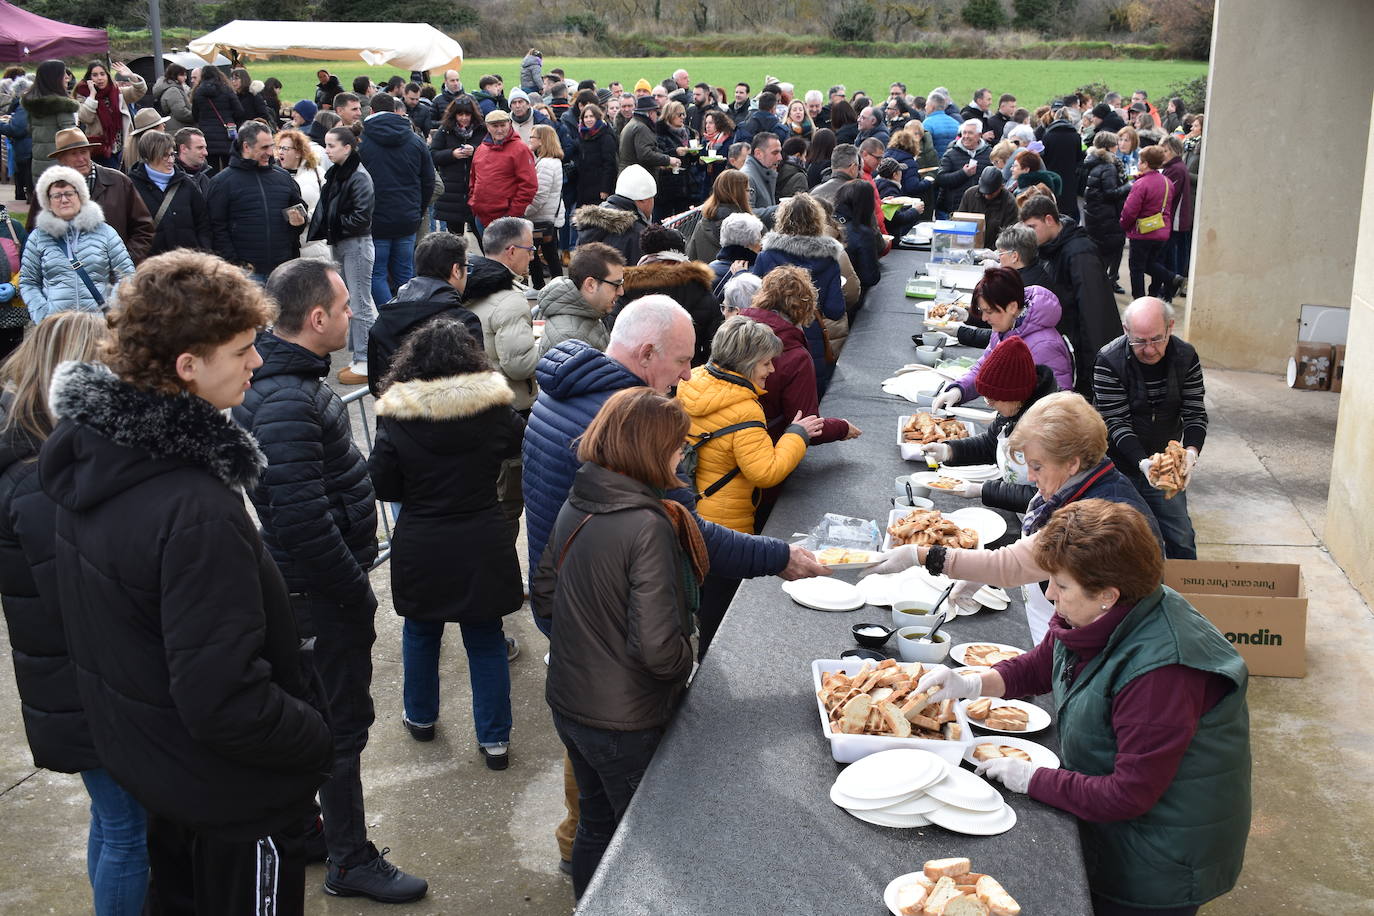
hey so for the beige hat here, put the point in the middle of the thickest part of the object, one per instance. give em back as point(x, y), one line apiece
point(147, 119)
point(496, 115)
point(71, 138)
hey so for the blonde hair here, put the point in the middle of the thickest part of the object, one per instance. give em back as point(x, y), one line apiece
point(799, 215)
point(907, 140)
point(1064, 426)
point(68, 336)
point(549, 146)
point(301, 144)
point(1003, 151)
point(673, 109)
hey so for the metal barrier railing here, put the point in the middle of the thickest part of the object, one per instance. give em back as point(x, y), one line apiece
point(384, 509)
point(685, 222)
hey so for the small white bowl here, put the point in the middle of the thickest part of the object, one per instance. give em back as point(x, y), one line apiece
point(929, 356)
point(927, 653)
point(912, 612)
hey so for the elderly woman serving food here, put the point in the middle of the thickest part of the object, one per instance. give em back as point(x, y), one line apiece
point(1154, 728)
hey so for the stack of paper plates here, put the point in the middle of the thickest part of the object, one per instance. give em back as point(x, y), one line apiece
point(914, 788)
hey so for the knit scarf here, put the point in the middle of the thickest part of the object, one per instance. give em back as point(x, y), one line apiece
point(694, 562)
point(1040, 509)
point(590, 132)
point(111, 121)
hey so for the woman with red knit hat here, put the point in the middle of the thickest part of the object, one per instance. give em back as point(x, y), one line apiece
point(1011, 382)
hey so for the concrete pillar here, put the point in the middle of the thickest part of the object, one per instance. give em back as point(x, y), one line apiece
point(1288, 119)
point(1350, 503)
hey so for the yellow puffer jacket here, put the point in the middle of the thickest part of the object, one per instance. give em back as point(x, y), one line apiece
point(715, 399)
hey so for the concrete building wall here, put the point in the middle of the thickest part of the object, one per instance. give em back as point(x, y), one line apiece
point(1288, 118)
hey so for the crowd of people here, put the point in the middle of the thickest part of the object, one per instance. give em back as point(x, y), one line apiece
point(195, 255)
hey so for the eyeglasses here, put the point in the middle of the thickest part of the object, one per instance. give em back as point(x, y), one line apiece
point(618, 284)
point(63, 195)
point(1138, 343)
point(530, 248)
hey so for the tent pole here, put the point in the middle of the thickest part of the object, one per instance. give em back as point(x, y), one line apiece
point(155, 26)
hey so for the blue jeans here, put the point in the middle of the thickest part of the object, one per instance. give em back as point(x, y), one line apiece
point(488, 671)
point(1172, 516)
point(116, 848)
point(395, 257)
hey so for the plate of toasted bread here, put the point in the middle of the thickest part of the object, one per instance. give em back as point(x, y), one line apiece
point(983, 654)
point(845, 558)
point(949, 887)
point(990, 747)
point(927, 528)
point(1007, 717)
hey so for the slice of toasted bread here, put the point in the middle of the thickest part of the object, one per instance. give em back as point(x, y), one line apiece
point(895, 721)
point(946, 711)
point(911, 899)
point(967, 905)
point(935, 869)
point(999, 902)
point(952, 731)
point(979, 709)
point(986, 752)
point(921, 721)
point(944, 891)
point(856, 714)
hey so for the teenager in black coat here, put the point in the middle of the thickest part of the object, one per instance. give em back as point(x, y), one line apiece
point(597, 150)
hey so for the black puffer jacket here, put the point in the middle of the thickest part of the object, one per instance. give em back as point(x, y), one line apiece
point(431, 434)
point(616, 222)
point(180, 630)
point(452, 205)
point(186, 224)
point(596, 165)
point(246, 203)
point(982, 449)
point(315, 501)
point(402, 174)
point(54, 720)
point(346, 202)
point(254, 106)
point(1104, 192)
point(213, 106)
point(419, 300)
point(1090, 319)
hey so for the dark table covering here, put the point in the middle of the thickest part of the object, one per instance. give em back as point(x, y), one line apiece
point(734, 815)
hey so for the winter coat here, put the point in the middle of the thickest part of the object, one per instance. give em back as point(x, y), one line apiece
point(943, 130)
point(998, 213)
point(1049, 179)
point(791, 178)
point(759, 122)
point(186, 224)
point(179, 626)
point(47, 282)
point(689, 283)
point(487, 103)
point(173, 99)
point(567, 316)
point(1104, 191)
point(820, 256)
point(532, 73)
point(452, 205)
point(716, 398)
point(255, 108)
point(621, 651)
point(575, 380)
point(311, 184)
point(912, 184)
point(54, 720)
point(422, 118)
point(639, 146)
point(763, 184)
point(496, 297)
point(720, 267)
point(952, 180)
point(346, 204)
point(47, 115)
point(617, 222)
point(199, 177)
point(1011, 491)
point(89, 113)
point(525, 129)
point(547, 206)
point(16, 129)
point(416, 302)
point(705, 240)
point(431, 434)
point(792, 386)
point(213, 106)
point(1078, 279)
point(1037, 326)
point(314, 500)
point(1180, 194)
point(503, 179)
point(402, 174)
point(246, 203)
point(597, 160)
point(1062, 153)
point(326, 91)
point(1151, 193)
point(861, 244)
point(879, 131)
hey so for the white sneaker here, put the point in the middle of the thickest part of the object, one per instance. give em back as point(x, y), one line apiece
point(546, 658)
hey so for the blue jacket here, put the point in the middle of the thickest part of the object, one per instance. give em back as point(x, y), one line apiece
point(943, 129)
point(402, 174)
point(820, 255)
point(756, 123)
point(47, 282)
point(575, 379)
point(18, 131)
point(912, 184)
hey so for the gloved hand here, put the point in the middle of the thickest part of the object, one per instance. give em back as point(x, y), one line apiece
point(1010, 772)
point(957, 313)
point(937, 450)
point(6, 292)
point(894, 561)
point(1145, 465)
point(948, 398)
point(1191, 454)
point(969, 491)
point(952, 686)
point(963, 593)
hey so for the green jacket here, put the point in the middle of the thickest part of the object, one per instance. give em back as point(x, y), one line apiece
point(1189, 847)
point(639, 146)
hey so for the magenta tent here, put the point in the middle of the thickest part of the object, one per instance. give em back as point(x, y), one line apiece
point(28, 36)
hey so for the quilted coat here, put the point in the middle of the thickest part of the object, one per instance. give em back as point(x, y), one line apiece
point(47, 282)
point(820, 255)
point(1036, 325)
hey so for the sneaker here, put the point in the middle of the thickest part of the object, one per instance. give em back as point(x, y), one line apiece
point(419, 732)
point(565, 867)
point(377, 879)
point(512, 648)
point(497, 758)
point(356, 374)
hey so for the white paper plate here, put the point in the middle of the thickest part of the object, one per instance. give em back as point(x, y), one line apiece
point(897, 774)
point(920, 803)
point(884, 589)
point(899, 882)
point(965, 789)
point(975, 414)
point(1037, 719)
point(990, 596)
point(824, 594)
point(974, 823)
point(874, 559)
point(981, 473)
point(957, 653)
point(973, 669)
point(883, 819)
point(925, 477)
point(901, 512)
point(989, 525)
point(870, 804)
point(1040, 755)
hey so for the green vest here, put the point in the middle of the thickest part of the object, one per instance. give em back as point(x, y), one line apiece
point(1189, 847)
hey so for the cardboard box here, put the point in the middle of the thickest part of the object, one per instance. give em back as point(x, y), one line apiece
point(981, 221)
point(1310, 367)
point(1261, 608)
point(1338, 368)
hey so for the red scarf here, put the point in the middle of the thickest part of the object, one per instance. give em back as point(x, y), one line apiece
point(111, 120)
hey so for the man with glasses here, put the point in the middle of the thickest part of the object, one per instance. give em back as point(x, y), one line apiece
point(575, 307)
point(256, 209)
point(1149, 390)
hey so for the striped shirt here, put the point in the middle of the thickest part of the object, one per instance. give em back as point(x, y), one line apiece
point(1113, 402)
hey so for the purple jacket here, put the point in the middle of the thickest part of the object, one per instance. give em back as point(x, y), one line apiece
point(1147, 199)
point(1036, 327)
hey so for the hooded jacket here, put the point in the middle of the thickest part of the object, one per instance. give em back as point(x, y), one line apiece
point(952, 180)
point(186, 224)
point(1037, 325)
point(532, 73)
point(173, 99)
point(1090, 316)
point(124, 210)
point(416, 302)
point(495, 296)
point(759, 122)
point(616, 222)
point(186, 655)
point(990, 447)
point(452, 205)
point(47, 282)
point(689, 283)
point(792, 386)
point(430, 435)
point(214, 106)
point(504, 181)
point(246, 201)
point(314, 500)
point(47, 115)
point(567, 316)
point(597, 160)
point(820, 255)
point(1104, 191)
point(402, 174)
point(716, 398)
point(1062, 153)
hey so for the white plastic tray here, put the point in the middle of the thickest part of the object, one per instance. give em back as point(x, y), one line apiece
point(849, 748)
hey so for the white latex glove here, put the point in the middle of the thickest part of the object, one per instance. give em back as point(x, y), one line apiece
point(1145, 465)
point(952, 686)
point(937, 450)
point(1010, 772)
point(894, 561)
point(948, 398)
point(969, 491)
point(957, 313)
point(963, 593)
point(1191, 454)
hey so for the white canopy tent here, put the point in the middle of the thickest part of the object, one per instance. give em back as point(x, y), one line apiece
point(404, 45)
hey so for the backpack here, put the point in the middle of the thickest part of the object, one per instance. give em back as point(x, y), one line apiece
point(690, 458)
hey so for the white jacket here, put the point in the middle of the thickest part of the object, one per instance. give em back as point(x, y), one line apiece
point(547, 205)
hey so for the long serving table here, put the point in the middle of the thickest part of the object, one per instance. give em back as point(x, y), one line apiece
point(734, 814)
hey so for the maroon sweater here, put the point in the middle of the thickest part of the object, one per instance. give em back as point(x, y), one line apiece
point(1153, 719)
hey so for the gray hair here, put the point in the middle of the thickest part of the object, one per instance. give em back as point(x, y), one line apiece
point(838, 87)
point(788, 88)
point(737, 149)
point(741, 229)
point(937, 98)
point(742, 343)
point(813, 95)
point(647, 320)
point(1106, 139)
point(504, 232)
point(874, 146)
point(741, 290)
point(975, 122)
point(1020, 239)
point(1021, 132)
point(843, 156)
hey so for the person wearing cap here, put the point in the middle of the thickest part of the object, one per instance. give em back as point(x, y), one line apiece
point(621, 219)
point(504, 180)
point(124, 210)
point(172, 97)
point(303, 113)
point(145, 120)
point(1103, 117)
point(1011, 382)
point(642, 88)
point(639, 139)
point(402, 173)
point(990, 198)
point(523, 117)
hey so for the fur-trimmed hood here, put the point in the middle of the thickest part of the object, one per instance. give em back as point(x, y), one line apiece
point(611, 220)
point(171, 430)
point(1101, 155)
point(804, 246)
point(449, 398)
point(45, 106)
point(658, 275)
point(87, 219)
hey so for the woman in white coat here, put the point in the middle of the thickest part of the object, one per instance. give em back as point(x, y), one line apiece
point(546, 210)
point(298, 155)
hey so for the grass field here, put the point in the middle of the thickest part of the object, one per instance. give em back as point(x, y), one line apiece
point(1034, 82)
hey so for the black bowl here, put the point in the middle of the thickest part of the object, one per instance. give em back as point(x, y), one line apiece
point(871, 642)
point(865, 654)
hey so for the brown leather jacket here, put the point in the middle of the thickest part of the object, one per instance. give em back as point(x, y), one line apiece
point(125, 210)
point(619, 654)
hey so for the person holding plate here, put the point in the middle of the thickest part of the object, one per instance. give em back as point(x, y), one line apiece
point(1153, 722)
